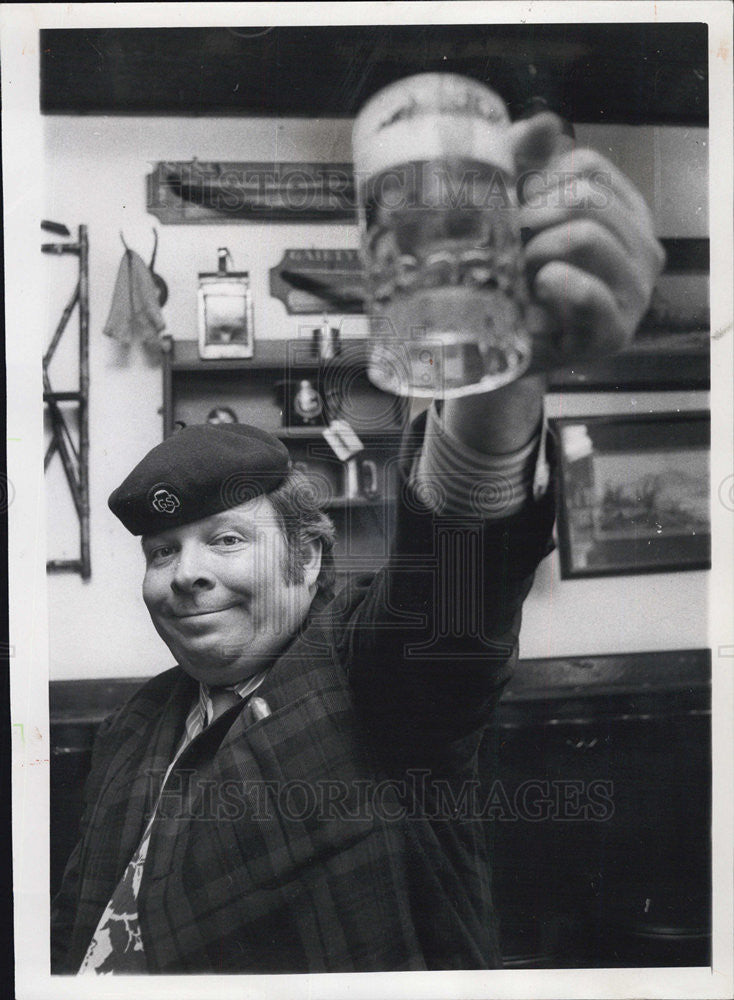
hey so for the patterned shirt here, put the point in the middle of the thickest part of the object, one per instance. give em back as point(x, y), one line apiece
point(117, 946)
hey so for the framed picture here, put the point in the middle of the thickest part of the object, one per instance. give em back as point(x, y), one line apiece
point(634, 494)
point(225, 316)
point(671, 349)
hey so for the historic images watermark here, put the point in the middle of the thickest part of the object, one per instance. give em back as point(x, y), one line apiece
point(257, 188)
point(419, 796)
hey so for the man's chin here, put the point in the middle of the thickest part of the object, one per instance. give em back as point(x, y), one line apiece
point(220, 675)
point(221, 667)
point(225, 661)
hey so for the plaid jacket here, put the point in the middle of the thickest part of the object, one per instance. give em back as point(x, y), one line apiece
point(332, 835)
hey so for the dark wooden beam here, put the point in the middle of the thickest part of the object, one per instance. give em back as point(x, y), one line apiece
point(636, 73)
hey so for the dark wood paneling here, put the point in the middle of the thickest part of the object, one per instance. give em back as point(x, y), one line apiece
point(540, 689)
point(610, 826)
point(639, 73)
point(586, 874)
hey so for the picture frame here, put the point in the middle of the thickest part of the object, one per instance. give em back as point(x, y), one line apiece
point(671, 348)
point(225, 316)
point(634, 494)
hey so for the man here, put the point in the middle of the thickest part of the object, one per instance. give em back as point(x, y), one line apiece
point(287, 799)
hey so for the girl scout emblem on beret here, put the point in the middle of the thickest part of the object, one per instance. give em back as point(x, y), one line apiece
point(163, 499)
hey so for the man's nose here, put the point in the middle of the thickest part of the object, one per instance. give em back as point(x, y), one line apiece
point(191, 571)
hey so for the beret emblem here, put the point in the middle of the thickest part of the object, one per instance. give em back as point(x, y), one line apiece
point(164, 500)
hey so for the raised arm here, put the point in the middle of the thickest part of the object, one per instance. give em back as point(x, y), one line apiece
point(435, 638)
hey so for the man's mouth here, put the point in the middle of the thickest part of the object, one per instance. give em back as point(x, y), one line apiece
point(201, 612)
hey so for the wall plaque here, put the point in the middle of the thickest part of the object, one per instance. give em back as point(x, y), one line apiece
point(193, 191)
point(314, 281)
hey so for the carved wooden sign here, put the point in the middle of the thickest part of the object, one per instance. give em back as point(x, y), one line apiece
point(319, 280)
point(193, 191)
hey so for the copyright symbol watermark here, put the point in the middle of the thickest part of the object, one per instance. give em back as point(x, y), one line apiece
point(726, 493)
point(7, 493)
point(492, 495)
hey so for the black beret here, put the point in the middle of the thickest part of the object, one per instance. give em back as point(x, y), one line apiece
point(199, 471)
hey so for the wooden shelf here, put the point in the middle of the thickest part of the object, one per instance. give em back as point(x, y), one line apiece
point(269, 354)
point(633, 369)
point(253, 388)
point(315, 433)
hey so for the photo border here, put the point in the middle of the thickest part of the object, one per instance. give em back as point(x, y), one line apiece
point(22, 180)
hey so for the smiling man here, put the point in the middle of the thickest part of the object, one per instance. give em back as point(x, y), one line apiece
point(295, 794)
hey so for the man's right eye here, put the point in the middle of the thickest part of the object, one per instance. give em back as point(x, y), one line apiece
point(158, 553)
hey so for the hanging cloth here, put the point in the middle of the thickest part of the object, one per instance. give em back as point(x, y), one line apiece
point(135, 312)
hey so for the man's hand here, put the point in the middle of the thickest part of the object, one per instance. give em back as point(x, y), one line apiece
point(592, 258)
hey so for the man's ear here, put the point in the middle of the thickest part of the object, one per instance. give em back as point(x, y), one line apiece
point(311, 554)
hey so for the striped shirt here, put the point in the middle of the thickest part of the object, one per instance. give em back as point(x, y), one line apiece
point(452, 478)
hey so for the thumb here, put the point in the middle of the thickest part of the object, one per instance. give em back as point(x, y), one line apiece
point(535, 140)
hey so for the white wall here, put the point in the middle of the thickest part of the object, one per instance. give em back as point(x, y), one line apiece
point(95, 175)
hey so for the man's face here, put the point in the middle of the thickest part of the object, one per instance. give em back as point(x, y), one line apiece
point(217, 593)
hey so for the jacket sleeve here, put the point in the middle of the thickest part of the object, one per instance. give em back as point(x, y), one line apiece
point(431, 641)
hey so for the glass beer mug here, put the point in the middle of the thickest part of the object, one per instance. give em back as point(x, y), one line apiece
point(440, 238)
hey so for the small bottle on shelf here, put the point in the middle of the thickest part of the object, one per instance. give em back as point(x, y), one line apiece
point(307, 405)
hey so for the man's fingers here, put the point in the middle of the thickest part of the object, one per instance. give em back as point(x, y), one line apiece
point(581, 198)
point(590, 247)
point(584, 312)
point(585, 162)
point(584, 184)
point(551, 204)
point(535, 140)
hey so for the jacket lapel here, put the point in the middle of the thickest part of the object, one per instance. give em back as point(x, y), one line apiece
point(137, 768)
point(306, 742)
point(304, 673)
